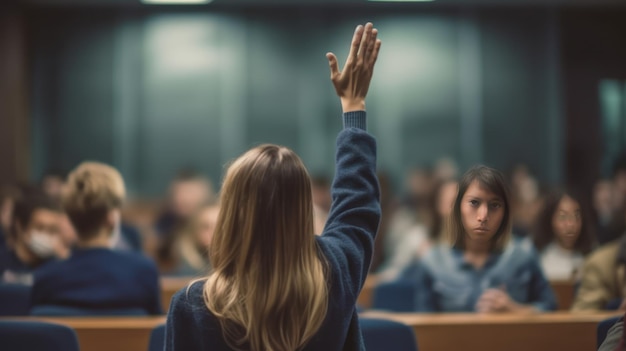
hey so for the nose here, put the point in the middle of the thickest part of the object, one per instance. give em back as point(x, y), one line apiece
point(483, 213)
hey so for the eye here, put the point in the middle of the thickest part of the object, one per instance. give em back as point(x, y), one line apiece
point(474, 203)
point(496, 205)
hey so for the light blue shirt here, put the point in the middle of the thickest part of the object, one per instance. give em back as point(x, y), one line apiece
point(445, 282)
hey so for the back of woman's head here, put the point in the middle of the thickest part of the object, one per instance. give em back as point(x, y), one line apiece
point(268, 286)
point(93, 190)
point(492, 180)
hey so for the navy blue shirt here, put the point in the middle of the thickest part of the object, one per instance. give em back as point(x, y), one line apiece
point(347, 244)
point(99, 279)
point(445, 282)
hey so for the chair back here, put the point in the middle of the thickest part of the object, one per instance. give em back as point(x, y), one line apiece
point(14, 300)
point(383, 335)
point(395, 296)
point(40, 336)
point(157, 338)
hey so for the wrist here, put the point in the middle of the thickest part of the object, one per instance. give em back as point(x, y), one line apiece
point(349, 105)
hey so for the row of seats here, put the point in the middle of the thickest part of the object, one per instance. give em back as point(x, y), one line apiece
point(378, 335)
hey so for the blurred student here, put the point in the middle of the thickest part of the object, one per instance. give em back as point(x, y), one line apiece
point(562, 236)
point(8, 195)
point(419, 239)
point(191, 249)
point(96, 278)
point(34, 237)
point(603, 283)
point(275, 284)
point(188, 192)
point(483, 270)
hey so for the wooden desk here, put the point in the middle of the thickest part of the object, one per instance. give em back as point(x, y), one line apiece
point(538, 332)
point(435, 332)
point(107, 333)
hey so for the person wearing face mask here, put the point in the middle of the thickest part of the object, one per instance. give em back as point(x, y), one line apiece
point(33, 238)
point(95, 279)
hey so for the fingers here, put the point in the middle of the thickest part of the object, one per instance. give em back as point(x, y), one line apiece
point(356, 42)
point(365, 43)
point(374, 55)
point(371, 43)
point(334, 66)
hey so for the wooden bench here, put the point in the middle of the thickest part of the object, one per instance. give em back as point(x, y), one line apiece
point(536, 332)
point(435, 332)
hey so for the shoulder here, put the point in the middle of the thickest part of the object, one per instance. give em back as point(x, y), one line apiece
point(440, 256)
point(605, 254)
point(132, 258)
point(51, 268)
point(190, 298)
point(521, 249)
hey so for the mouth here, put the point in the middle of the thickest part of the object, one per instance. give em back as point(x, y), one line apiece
point(481, 230)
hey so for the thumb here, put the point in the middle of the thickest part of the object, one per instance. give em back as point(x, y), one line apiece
point(332, 62)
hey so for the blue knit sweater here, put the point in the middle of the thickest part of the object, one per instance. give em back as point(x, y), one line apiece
point(347, 243)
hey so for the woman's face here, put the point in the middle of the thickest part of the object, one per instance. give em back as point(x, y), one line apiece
point(481, 212)
point(567, 222)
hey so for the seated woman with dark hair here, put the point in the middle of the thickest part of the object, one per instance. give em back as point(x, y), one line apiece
point(483, 270)
point(562, 235)
point(96, 279)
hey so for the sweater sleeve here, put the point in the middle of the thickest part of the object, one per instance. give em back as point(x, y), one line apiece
point(355, 212)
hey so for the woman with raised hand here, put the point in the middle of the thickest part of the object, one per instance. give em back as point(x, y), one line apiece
point(275, 285)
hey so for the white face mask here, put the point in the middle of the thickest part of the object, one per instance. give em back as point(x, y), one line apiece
point(42, 245)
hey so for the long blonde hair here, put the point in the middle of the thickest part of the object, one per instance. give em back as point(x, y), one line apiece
point(268, 287)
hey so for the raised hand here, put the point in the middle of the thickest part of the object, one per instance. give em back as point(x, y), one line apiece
point(352, 83)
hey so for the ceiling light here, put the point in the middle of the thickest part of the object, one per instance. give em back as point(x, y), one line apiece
point(176, 2)
point(401, 0)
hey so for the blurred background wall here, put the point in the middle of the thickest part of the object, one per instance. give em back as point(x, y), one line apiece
point(153, 89)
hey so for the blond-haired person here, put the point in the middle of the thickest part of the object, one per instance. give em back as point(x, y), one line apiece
point(96, 279)
point(275, 284)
